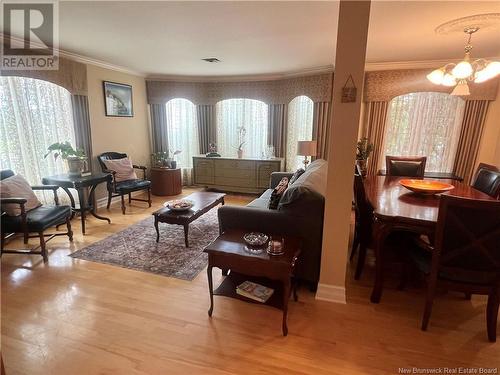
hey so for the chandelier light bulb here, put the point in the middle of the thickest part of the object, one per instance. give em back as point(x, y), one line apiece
point(436, 76)
point(449, 80)
point(491, 70)
point(462, 70)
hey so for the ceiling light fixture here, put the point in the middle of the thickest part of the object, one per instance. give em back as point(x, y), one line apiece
point(457, 75)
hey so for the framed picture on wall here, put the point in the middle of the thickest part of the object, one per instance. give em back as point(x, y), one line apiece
point(118, 99)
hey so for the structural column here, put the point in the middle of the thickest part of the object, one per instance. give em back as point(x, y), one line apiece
point(350, 61)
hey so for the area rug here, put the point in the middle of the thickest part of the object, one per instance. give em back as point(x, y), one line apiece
point(135, 247)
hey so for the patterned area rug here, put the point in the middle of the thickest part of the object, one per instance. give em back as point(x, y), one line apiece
point(135, 247)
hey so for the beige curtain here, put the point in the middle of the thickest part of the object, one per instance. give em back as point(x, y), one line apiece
point(206, 126)
point(470, 137)
point(321, 128)
point(374, 129)
point(277, 118)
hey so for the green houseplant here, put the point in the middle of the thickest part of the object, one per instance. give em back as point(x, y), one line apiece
point(75, 159)
point(363, 150)
point(163, 159)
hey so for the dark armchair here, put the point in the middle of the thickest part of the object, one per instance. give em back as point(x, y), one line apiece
point(122, 188)
point(36, 220)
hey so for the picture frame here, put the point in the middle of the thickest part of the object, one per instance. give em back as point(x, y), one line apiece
point(118, 100)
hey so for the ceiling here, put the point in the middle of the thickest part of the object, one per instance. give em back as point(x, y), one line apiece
point(252, 38)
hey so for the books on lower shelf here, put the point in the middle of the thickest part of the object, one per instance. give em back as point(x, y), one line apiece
point(254, 291)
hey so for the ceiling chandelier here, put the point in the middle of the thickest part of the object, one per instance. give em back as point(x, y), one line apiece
point(458, 75)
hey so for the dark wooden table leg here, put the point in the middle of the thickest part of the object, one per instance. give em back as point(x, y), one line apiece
point(157, 229)
point(72, 201)
point(186, 235)
point(83, 207)
point(381, 230)
point(286, 297)
point(93, 207)
point(210, 289)
point(295, 286)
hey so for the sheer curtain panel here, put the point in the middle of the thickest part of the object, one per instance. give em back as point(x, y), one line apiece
point(235, 113)
point(300, 128)
point(182, 130)
point(33, 115)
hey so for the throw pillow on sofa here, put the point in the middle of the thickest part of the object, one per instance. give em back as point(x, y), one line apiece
point(296, 175)
point(123, 168)
point(314, 178)
point(17, 187)
point(278, 193)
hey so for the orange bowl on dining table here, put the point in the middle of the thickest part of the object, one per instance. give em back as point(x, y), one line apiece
point(427, 187)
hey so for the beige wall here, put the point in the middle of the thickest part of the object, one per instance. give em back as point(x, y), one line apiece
point(122, 134)
point(489, 149)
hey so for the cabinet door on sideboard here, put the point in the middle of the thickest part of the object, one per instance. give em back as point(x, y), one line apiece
point(204, 171)
point(264, 170)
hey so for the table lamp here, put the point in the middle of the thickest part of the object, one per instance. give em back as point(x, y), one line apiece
point(305, 149)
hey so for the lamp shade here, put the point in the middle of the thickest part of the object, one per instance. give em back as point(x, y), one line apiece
point(306, 148)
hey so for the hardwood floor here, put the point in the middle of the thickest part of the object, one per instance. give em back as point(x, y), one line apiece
point(73, 317)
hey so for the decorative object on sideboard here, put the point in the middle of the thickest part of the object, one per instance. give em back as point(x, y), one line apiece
point(305, 149)
point(75, 159)
point(212, 151)
point(164, 159)
point(363, 150)
point(477, 71)
point(269, 154)
point(118, 99)
point(349, 91)
point(242, 132)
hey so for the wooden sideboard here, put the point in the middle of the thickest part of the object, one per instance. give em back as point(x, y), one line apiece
point(236, 175)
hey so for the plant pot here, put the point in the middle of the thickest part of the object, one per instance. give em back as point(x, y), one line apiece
point(76, 165)
point(363, 166)
point(240, 153)
point(173, 164)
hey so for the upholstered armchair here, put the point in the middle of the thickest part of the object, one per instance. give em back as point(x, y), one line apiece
point(127, 187)
point(36, 220)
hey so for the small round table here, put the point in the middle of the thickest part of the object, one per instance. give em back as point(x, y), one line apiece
point(166, 181)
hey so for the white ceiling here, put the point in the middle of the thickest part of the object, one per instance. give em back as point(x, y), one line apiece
point(171, 38)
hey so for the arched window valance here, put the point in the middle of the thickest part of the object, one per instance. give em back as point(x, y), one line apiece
point(282, 91)
point(71, 75)
point(382, 86)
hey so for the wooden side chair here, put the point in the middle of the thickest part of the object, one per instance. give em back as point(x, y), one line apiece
point(405, 166)
point(122, 188)
point(487, 179)
point(466, 254)
point(36, 220)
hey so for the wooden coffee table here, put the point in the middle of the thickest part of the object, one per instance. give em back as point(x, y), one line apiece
point(228, 252)
point(203, 202)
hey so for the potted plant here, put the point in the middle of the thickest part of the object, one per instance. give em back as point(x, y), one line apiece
point(363, 150)
point(241, 140)
point(163, 159)
point(75, 159)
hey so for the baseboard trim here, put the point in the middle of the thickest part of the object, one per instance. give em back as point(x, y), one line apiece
point(331, 293)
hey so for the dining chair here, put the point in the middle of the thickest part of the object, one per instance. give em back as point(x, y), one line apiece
point(36, 220)
point(363, 229)
point(405, 166)
point(465, 256)
point(122, 188)
point(487, 179)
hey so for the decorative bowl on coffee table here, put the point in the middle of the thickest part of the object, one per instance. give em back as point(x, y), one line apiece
point(179, 205)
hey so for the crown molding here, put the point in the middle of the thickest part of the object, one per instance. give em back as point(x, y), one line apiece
point(420, 64)
point(242, 78)
point(83, 59)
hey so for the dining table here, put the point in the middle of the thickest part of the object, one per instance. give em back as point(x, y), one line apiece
point(395, 208)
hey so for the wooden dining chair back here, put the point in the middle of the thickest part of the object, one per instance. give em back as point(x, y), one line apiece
point(405, 166)
point(466, 256)
point(487, 179)
point(363, 223)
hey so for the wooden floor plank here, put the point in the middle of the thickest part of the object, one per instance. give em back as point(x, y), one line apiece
point(74, 317)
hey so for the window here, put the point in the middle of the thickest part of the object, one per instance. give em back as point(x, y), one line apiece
point(33, 115)
point(300, 128)
point(235, 113)
point(182, 133)
point(425, 124)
